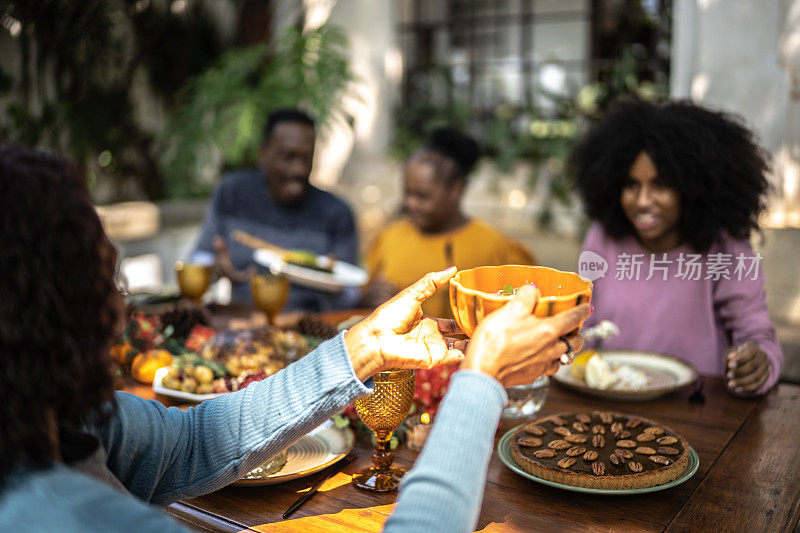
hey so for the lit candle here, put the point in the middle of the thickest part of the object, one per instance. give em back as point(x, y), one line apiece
point(418, 428)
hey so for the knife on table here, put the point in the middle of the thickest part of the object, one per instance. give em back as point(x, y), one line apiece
point(313, 490)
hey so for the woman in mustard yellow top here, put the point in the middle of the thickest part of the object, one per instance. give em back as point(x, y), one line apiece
point(435, 233)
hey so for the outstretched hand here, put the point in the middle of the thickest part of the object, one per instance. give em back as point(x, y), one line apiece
point(224, 263)
point(398, 335)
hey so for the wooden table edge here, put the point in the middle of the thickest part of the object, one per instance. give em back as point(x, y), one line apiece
point(792, 520)
point(201, 519)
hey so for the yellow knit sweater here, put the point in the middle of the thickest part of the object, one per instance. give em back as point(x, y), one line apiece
point(402, 254)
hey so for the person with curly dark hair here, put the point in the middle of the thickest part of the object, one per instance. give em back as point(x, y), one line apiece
point(77, 457)
point(434, 232)
point(55, 260)
point(675, 191)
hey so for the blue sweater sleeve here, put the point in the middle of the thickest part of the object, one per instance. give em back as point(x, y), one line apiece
point(444, 490)
point(162, 455)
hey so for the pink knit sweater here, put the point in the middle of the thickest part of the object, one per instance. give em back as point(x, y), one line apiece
point(692, 307)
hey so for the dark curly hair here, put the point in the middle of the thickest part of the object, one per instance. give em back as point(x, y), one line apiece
point(451, 144)
point(709, 157)
point(59, 308)
point(285, 115)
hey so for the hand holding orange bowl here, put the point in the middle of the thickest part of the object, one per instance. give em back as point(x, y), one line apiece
point(476, 292)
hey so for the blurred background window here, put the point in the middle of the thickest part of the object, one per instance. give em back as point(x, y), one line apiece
point(494, 52)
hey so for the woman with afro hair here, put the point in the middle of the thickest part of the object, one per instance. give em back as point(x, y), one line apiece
point(675, 192)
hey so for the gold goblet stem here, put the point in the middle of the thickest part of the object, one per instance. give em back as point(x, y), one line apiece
point(383, 411)
point(382, 457)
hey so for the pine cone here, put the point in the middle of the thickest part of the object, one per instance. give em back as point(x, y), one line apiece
point(183, 317)
point(313, 326)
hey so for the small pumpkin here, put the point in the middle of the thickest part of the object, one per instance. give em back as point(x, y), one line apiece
point(122, 352)
point(145, 364)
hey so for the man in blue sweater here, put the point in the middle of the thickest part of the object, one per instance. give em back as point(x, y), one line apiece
point(276, 203)
point(77, 457)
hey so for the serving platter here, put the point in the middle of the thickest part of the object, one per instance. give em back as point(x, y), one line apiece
point(159, 388)
point(666, 374)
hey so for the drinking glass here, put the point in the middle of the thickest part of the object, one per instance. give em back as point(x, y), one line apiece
point(270, 292)
point(382, 412)
point(524, 401)
point(193, 280)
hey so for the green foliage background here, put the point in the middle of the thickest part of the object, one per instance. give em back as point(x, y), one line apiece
point(83, 65)
point(78, 60)
point(224, 109)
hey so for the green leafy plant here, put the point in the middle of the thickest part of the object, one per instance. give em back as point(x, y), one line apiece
point(70, 83)
point(622, 82)
point(416, 119)
point(222, 113)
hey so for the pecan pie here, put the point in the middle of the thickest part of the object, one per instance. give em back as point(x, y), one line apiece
point(619, 451)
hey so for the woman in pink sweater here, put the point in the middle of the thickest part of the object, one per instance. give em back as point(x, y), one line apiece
point(675, 192)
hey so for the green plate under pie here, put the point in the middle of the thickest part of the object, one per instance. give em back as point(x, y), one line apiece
point(504, 452)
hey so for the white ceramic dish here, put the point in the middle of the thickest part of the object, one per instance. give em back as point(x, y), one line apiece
point(343, 275)
point(159, 388)
point(321, 448)
point(667, 374)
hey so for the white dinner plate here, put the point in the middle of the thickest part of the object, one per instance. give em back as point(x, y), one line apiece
point(666, 374)
point(321, 448)
point(159, 388)
point(343, 275)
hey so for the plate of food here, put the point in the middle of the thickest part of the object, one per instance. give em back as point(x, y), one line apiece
point(625, 375)
point(177, 391)
point(324, 446)
point(311, 270)
point(230, 361)
point(600, 452)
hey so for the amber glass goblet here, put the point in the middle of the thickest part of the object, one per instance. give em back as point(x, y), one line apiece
point(382, 412)
point(270, 292)
point(193, 280)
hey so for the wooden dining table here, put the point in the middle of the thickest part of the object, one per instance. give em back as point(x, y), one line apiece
point(748, 478)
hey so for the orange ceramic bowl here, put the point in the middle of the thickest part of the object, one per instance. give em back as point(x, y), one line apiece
point(474, 292)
